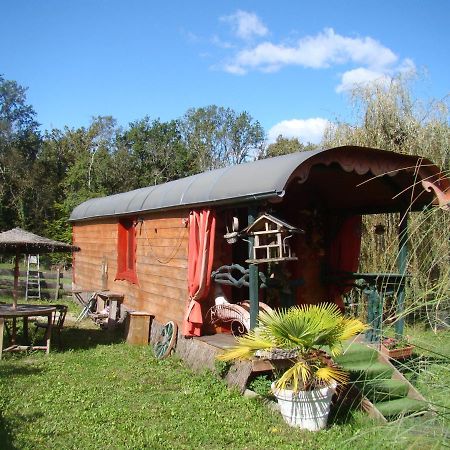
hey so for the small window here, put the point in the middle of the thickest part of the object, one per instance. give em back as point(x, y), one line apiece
point(126, 251)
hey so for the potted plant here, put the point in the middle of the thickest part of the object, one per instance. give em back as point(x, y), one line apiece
point(396, 348)
point(308, 336)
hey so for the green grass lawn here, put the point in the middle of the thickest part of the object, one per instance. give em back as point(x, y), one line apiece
point(99, 392)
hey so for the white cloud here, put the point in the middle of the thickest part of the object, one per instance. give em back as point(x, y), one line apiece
point(371, 60)
point(306, 130)
point(246, 25)
point(190, 36)
point(407, 65)
point(234, 69)
point(361, 76)
point(220, 43)
point(321, 51)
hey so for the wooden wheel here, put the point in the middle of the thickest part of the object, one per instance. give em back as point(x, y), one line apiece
point(166, 341)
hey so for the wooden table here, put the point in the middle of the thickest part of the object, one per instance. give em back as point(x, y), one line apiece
point(96, 302)
point(25, 311)
point(114, 301)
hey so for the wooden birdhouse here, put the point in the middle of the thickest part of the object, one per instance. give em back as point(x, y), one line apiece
point(271, 239)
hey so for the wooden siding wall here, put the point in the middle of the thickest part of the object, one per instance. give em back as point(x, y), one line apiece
point(161, 263)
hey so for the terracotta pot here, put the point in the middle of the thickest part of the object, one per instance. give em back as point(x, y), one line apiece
point(397, 353)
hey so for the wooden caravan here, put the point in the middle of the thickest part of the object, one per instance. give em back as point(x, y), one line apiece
point(159, 245)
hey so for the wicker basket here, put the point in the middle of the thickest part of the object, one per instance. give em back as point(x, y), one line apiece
point(397, 353)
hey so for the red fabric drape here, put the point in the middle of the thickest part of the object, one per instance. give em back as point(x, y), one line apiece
point(344, 255)
point(202, 227)
point(122, 247)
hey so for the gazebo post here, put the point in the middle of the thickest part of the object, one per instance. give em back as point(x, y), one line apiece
point(16, 279)
point(402, 262)
point(253, 274)
point(15, 295)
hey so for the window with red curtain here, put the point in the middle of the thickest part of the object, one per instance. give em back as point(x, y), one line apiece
point(126, 251)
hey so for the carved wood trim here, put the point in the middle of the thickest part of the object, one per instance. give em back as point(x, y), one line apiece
point(376, 162)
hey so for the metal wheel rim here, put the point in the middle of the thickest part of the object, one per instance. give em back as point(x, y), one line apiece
point(166, 340)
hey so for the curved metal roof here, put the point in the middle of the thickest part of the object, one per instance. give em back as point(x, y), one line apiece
point(261, 179)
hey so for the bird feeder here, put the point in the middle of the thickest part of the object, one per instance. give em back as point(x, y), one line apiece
point(271, 240)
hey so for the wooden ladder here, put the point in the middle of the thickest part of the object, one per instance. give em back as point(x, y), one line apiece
point(33, 284)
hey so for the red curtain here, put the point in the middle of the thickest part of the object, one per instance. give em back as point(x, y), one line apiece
point(202, 227)
point(344, 255)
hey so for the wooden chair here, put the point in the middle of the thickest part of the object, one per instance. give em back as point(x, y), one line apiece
point(58, 318)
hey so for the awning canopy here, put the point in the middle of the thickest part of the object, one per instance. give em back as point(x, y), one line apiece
point(263, 179)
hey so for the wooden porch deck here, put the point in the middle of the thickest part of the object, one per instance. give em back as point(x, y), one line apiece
point(221, 341)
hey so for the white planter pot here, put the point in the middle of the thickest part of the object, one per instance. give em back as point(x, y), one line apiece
point(305, 409)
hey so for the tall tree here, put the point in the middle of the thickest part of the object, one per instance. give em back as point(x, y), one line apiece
point(17, 119)
point(387, 116)
point(19, 145)
point(219, 136)
point(284, 146)
point(153, 152)
point(72, 166)
point(90, 151)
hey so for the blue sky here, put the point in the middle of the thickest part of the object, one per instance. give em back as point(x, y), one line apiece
point(288, 63)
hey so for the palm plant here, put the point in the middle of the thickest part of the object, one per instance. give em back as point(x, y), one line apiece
point(308, 335)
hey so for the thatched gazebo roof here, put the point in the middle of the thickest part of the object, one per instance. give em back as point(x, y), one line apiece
point(21, 241)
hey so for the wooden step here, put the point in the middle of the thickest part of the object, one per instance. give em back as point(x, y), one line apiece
point(363, 370)
point(401, 407)
point(385, 390)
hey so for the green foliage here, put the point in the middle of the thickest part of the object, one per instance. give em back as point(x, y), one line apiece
point(388, 117)
point(155, 152)
point(17, 119)
point(261, 385)
point(219, 136)
point(19, 144)
point(221, 367)
point(284, 146)
point(302, 332)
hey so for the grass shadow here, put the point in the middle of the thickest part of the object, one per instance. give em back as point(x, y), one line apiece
point(6, 434)
point(72, 337)
point(343, 408)
point(7, 429)
point(18, 371)
point(77, 338)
